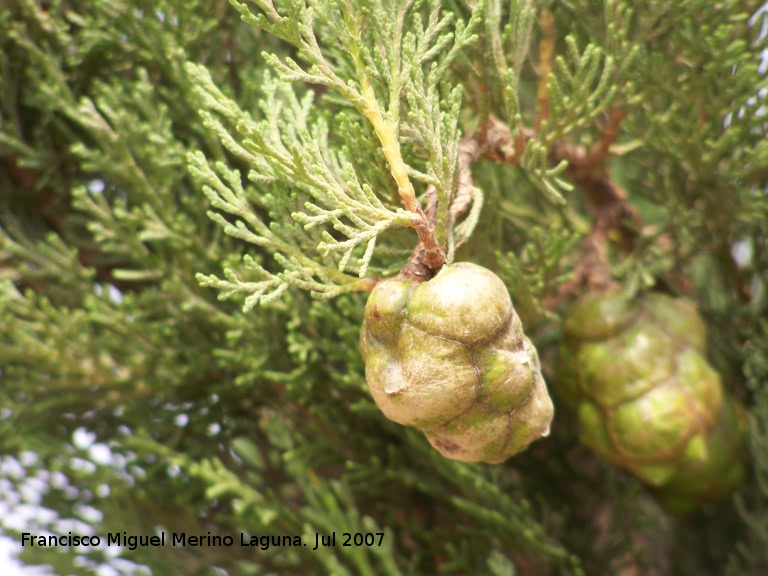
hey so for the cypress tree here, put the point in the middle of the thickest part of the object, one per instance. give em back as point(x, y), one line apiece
point(198, 197)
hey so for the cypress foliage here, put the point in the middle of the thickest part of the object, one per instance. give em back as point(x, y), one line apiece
point(196, 198)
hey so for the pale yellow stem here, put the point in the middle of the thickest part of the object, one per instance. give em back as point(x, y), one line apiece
point(391, 148)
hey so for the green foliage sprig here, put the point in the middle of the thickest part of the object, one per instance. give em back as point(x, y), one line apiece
point(389, 66)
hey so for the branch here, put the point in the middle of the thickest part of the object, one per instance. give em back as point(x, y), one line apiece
point(606, 199)
point(495, 141)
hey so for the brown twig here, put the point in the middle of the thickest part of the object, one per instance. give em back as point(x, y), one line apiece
point(419, 267)
point(606, 199)
point(586, 169)
point(433, 254)
point(493, 141)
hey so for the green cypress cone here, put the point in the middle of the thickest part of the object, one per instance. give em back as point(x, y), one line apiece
point(449, 357)
point(648, 400)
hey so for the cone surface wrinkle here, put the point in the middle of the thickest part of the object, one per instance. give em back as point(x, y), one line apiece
point(648, 399)
point(449, 357)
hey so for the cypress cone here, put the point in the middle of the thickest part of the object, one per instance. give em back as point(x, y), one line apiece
point(648, 400)
point(449, 357)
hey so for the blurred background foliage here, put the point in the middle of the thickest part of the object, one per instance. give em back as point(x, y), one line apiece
point(131, 399)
